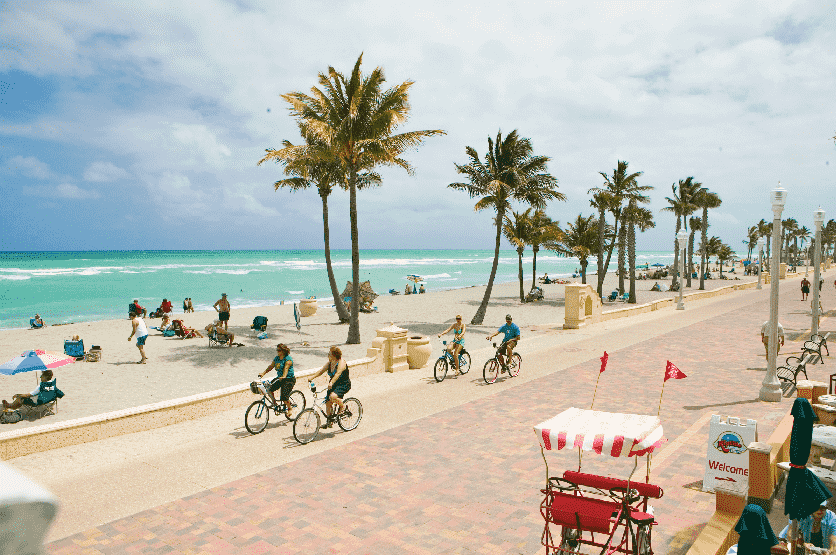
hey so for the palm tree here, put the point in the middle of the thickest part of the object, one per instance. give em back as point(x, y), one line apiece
point(788, 227)
point(601, 201)
point(725, 252)
point(705, 200)
point(355, 119)
point(804, 235)
point(696, 223)
point(635, 217)
point(518, 232)
point(580, 239)
point(712, 247)
point(510, 172)
point(323, 174)
point(619, 186)
point(752, 235)
point(681, 204)
point(542, 229)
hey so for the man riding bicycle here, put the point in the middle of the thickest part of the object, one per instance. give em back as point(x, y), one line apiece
point(512, 336)
point(284, 379)
point(457, 345)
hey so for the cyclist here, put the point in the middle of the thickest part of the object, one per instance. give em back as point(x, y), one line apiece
point(512, 336)
point(283, 364)
point(457, 345)
point(338, 385)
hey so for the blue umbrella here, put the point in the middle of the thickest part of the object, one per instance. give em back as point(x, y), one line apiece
point(36, 361)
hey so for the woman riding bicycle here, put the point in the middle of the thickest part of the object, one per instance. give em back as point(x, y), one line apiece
point(338, 385)
point(512, 336)
point(457, 345)
point(284, 379)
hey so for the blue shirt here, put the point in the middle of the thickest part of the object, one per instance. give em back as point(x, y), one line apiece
point(510, 330)
point(278, 363)
point(805, 526)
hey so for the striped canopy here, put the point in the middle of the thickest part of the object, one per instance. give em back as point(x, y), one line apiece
point(610, 433)
point(34, 361)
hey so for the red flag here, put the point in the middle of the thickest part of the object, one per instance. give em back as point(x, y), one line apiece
point(604, 360)
point(672, 372)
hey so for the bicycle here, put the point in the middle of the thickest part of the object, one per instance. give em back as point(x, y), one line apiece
point(492, 368)
point(307, 424)
point(446, 360)
point(258, 413)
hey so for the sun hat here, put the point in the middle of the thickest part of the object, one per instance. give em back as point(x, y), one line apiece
point(508, 317)
point(223, 294)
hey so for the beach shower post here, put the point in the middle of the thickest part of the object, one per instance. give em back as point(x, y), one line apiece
point(818, 220)
point(771, 389)
point(682, 245)
point(761, 245)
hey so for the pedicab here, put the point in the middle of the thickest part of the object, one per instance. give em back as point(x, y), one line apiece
point(608, 514)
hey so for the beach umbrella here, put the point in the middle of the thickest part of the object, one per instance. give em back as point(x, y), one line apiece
point(37, 361)
point(659, 265)
point(805, 492)
point(413, 278)
point(756, 534)
point(366, 291)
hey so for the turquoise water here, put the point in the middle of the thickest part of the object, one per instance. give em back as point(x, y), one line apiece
point(99, 285)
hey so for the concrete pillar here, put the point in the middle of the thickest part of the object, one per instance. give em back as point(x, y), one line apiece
point(761, 484)
point(819, 389)
point(766, 278)
point(391, 341)
point(729, 501)
point(782, 270)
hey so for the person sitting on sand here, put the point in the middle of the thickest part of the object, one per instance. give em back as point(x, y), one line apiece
point(546, 279)
point(284, 380)
point(407, 291)
point(338, 385)
point(183, 332)
point(422, 290)
point(37, 322)
point(46, 392)
point(457, 345)
point(220, 331)
point(165, 323)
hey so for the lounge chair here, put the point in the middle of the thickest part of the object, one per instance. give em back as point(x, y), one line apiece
point(613, 296)
point(35, 325)
point(625, 297)
point(219, 339)
point(182, 331)
point(74, 348)
point(259, 323)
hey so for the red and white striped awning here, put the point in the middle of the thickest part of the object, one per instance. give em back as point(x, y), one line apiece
point(611, 433)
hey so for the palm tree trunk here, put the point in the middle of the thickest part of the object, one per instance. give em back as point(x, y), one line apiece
point(584, 263)
point(691, 256)
point(631, 256)
point(522, 291)
point(602, 224)
point(703, 258)
point(354, 323)
point(675, 272)
point(480, 313)
point(534, 267)
point(342, 314)
point(622, 243)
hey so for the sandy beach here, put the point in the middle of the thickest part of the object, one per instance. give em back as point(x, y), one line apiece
point(178, 368)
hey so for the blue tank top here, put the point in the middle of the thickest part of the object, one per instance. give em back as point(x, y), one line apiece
point(279, 365)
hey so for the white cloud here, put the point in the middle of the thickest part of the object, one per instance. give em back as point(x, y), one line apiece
point(30, 167)
point(64, 190)
point(104, 172)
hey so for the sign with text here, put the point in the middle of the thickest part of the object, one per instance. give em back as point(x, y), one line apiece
point(727, 461)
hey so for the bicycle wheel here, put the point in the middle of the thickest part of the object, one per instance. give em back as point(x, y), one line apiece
point(296, 401)
point(642, 545)
point(440, 371)
point(352, 414)
point(464, 362)
point(257, 417)
point(516, 364)
point(491, 370)
point(306, 426)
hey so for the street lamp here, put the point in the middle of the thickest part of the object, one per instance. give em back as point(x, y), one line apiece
point(761, 245)
point(681, 244)
point(771, 389)
point(818, 220)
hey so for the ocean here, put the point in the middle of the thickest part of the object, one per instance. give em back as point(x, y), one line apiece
point(98, 285)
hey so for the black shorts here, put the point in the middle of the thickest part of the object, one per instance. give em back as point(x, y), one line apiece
point(29, 402)
point(223, 316)
point(340, 389)
point(285, 384)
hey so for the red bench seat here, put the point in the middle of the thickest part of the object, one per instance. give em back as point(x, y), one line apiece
point(607, 483)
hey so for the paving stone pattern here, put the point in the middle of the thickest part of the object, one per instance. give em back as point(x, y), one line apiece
point(466, 480)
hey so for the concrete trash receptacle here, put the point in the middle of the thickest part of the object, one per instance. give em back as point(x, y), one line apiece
point(307, 307)
point(418, 351)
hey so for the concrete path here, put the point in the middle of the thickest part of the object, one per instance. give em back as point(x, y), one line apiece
point(433, 468)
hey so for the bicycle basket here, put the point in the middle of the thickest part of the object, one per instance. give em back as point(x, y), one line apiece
point(254, 387)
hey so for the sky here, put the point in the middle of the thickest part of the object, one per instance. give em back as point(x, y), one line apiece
point(139, 125)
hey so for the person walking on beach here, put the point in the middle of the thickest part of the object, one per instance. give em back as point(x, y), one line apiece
point(338, 385)
point(765, 333)
point(141, 333)
point(191, 306)
point(805, 288)
point(457, 345)
point(512, 336)
point(284, 380)
point(185, 305)
point(223, 308)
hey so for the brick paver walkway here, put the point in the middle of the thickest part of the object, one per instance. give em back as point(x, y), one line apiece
point(466, 480)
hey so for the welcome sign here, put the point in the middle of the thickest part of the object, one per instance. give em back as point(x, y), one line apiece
point(727, 460)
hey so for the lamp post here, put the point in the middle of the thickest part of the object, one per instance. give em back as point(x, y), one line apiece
point(771, 389)
point(818, 219)
point(761, 245)
point(682, 245)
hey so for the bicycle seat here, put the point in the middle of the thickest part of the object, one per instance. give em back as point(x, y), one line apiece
point(641, 518)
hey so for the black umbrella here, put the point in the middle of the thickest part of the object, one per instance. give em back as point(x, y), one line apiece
point(756, 535)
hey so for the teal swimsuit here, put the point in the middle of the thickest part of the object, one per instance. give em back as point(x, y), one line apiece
point(459, 341)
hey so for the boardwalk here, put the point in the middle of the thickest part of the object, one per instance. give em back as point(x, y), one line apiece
point(466, 479)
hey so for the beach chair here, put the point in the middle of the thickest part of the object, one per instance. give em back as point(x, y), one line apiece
point(216, 339)
point(613, 296)
point(74, 348)
point(259, 323)
point(33, 325)
point(625, 297)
